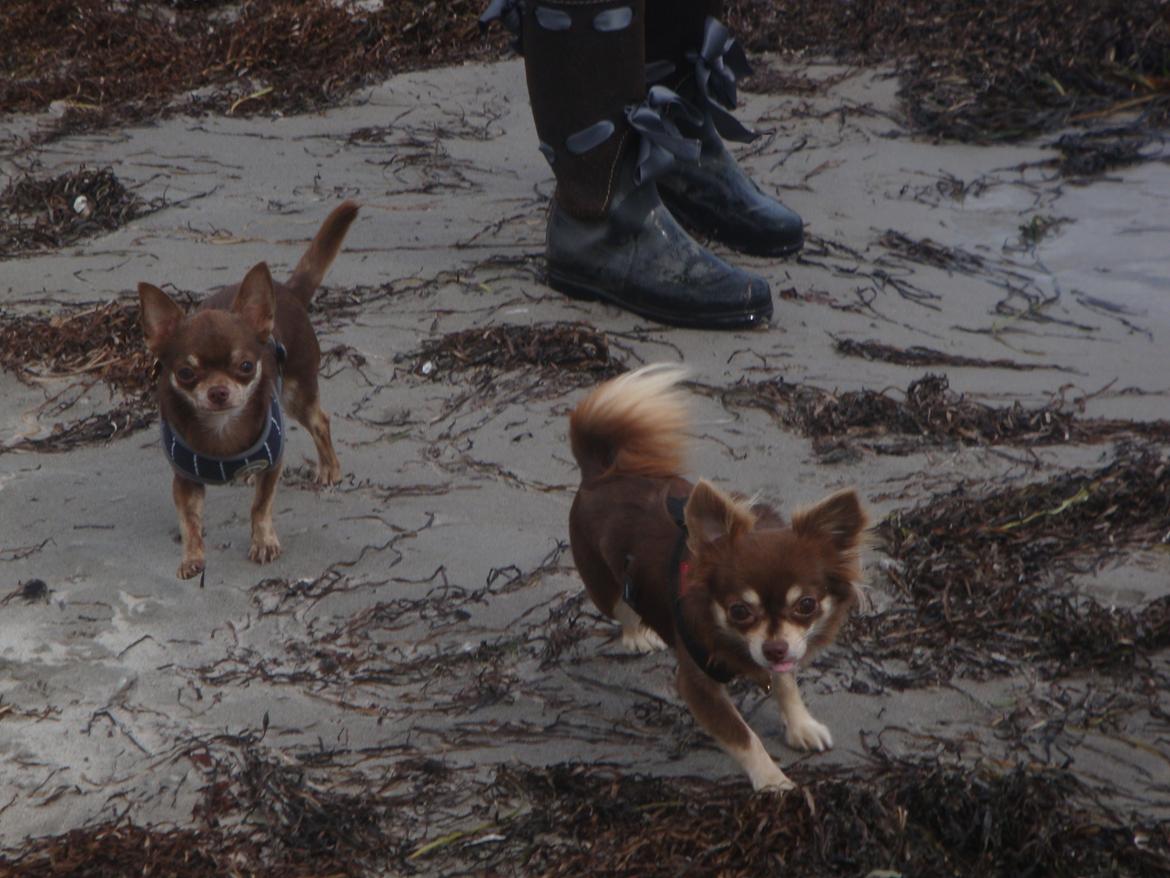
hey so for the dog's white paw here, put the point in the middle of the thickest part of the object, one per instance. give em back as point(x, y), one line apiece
point(641, 640)
point(773, 780)
point(805, 733)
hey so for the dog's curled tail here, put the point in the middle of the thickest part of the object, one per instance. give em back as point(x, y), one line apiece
point(323, 249)
point(633, 425)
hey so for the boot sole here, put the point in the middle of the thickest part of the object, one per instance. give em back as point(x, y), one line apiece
point(587, 293)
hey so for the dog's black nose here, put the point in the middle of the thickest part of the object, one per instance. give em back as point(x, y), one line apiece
point(776, 651)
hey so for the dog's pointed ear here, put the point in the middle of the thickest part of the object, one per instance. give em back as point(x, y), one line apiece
point(711, 514)
point(256, 301)
point(160, 317)
point(839, 518)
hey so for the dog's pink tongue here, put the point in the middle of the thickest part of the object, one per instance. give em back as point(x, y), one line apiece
point(783, 667)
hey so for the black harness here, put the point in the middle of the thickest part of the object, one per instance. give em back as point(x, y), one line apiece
point(676, 575)
point(263, 455)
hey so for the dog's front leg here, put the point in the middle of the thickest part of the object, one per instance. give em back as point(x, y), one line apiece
point(717, 715)
point(188, 497)
point(265, 546)
point(802, 731)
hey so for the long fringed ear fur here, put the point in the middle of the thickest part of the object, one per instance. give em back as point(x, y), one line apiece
point(711, 514)
point(256, 301)
point(838, 518)
point(160, 317)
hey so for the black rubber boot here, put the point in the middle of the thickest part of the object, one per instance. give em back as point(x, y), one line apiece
point(641, 259)
point(609, 236)
point(691, 52)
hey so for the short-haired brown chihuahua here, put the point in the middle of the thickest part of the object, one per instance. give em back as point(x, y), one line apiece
point(726, 582)
point(224, 372)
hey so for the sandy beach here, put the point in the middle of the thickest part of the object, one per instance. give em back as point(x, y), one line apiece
point(424, 636)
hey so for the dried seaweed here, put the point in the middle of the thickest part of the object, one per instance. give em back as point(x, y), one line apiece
point(307, 826)
point(985, 574)
point(970, 69)
point(560, 347)
point(915, 817)
point(365, 649)
point(257, 818)
point(916, 355)
point(42, 214)
point(122, 420)
point(100, 343)
point(930, 413)
point(116, 62)
point(1093, 153)
point(907, 817)
point(976, 70)
point(924, 251)
point(113, 850)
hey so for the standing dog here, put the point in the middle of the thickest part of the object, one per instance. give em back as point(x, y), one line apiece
point(725, 582)
point(223, 373)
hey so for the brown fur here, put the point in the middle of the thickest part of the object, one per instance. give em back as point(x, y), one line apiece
point(213, 347)
point(627, 437)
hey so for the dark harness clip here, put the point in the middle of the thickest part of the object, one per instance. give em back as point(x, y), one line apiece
point(629, 591)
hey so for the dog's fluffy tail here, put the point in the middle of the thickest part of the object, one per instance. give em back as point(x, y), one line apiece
point(310, 271)
point(632, 425)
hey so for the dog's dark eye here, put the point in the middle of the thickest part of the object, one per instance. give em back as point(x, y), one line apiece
point(246, 367)
point(806, 606)
point(740, 613)
point(185, 374)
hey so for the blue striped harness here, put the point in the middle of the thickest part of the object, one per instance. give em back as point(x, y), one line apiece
point(261, 457)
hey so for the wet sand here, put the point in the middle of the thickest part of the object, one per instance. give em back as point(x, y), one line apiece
point(427, 607)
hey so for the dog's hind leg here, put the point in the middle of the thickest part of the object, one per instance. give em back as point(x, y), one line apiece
point(328, 466)
point(304, 404)
point(605, 590)
point(637, 637)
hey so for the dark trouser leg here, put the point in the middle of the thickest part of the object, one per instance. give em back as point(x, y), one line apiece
point(712, 197)
point(609, 236)
point(674, 27)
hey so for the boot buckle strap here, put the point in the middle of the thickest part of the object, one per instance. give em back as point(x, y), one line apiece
point(718, 63)
point(660, 141)
point(509, 13)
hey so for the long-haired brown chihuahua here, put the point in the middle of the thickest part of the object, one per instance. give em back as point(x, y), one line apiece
point(726, 582)
point(224, 372)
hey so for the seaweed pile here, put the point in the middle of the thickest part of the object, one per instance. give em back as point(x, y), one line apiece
point(261, 819)
point(114, 62)
point(558, 347)
point(103, 343)
point(112, 850)
point(972, 70)
point(902, 817)
point(41, 214)
point(930, 414)
point(918, 355)
point(976, 70)
point(257, 817)
point(986, 575)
